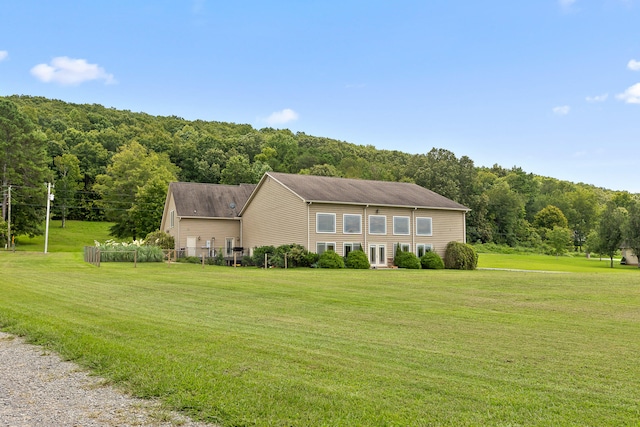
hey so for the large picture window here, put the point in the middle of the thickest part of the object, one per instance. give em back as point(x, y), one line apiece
point(401, 225)
point(423, 227)
point(352, 224)
point(325, 223)
point(377, 224)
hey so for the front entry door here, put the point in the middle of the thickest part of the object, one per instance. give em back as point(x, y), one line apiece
point(191, 246)
point(377, 255)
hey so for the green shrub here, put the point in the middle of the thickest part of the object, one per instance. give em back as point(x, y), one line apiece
point(357, 259)
point(189, 259)
point(405, 259)
point(297, 256)
point(160, 239)
point(460, 256)
point(432, 261)
point(330, 259)
point(259, 253)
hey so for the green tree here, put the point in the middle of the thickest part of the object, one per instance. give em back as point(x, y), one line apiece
point(321, 170)
point(238, 171)
point(610, 230)
point(631, 229)
point(548, 218)
point(583, 213)
point(67, 184)
point(131, 187)
point(23, 166)
point(505, 212)
point(560, 239)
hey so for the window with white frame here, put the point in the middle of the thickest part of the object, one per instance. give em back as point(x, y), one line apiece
point(352, 224)
point(423, 248)
point(325, 223)
point(172, 215)
point(325, 246)
point(348, 247)
point(423, 226)
point(401, 225)
point(377, 224)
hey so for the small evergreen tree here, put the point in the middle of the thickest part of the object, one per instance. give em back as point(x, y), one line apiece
point(460, 256)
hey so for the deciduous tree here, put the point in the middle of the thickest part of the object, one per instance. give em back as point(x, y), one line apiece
point(610, 230)
point(131, 188)
point(23, 166)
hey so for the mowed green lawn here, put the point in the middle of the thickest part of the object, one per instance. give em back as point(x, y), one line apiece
point(310, 347)
point(72, 238)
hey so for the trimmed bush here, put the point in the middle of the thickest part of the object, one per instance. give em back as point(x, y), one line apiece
point(432, 261)
point(405, 259)
point(460, 256)
point(330, 259)
point(357, 259)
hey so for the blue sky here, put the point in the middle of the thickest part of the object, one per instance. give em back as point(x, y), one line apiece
point(552, 86)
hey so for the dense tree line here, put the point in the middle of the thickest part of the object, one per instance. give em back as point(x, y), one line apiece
point(116, 164)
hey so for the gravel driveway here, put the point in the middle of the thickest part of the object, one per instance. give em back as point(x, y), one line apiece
point(37, 388)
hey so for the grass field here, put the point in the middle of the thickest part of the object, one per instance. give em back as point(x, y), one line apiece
point(72, 238)
point(312, 347)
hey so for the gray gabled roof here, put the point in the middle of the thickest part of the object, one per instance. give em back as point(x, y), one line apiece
point(323, 189)
point(209, 200)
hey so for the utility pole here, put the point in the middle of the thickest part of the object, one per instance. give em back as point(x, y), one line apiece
point(49, 200)
point(9, 218)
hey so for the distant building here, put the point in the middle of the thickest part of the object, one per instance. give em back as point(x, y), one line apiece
point(317, 212)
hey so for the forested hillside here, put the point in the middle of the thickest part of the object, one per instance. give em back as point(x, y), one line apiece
point(114, 164)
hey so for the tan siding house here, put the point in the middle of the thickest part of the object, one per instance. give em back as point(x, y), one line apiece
point(339, 214)
point(319, 213)
point(276, 217)
point(203, 218)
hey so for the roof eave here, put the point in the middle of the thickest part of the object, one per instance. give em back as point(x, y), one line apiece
point(462, 209)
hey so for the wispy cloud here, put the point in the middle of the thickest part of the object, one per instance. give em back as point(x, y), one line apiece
point(281, 117)
point(631, 95)
point(197, 6)
point(561, 110)
point(3, 55)
point(566, 4)
point(634, 65)
point(70, 72)
point(597, 98)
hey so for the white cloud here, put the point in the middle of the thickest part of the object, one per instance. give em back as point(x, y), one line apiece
point(597, 98)
point(634, 65)
point(69, 71)
point(631, 95)
point(281, 117)
point(561, 110)
point(3, 55)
